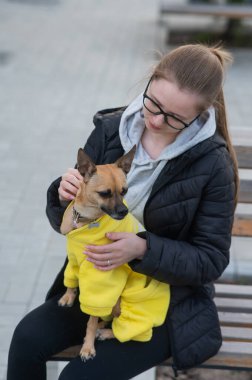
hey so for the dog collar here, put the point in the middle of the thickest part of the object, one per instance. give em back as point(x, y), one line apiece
point(78, 218)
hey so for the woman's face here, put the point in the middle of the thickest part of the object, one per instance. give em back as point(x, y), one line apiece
point(180, 105)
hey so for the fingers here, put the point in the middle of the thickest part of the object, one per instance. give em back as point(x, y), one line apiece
point(96, 258)
point(69, 184)
point(124, 248)
point(103, 262)
point(117, 235)
point(103, 257)
point(98, 249)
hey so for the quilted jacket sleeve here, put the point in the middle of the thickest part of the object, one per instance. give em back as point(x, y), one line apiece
point(205, 254)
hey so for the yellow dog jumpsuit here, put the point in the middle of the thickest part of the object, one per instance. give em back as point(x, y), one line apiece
point(144, 301)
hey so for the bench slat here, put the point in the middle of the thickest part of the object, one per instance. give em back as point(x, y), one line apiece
point(244, 154)
point(236, 348)
point(232, 11)
point(245, 191)
point(236, 334)
point(236, 291)
point(67, 354)
point(226, 360)
point(231, 355)
point(238, 354)
point(235, 319)
point(233, 305)
point(242, 225)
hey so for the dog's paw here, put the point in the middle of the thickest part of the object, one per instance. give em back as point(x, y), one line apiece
point(103, 334)
point(67, 300)
point(87, 353)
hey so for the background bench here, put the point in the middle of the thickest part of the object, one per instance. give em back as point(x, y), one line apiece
point(234, 301)
point(233, 13)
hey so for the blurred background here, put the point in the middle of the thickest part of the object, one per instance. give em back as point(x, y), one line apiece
point(60, 62)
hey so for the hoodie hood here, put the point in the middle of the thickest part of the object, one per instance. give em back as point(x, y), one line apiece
point(145, 170)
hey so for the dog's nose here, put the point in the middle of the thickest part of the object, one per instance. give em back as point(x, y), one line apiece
point(118, 213)
point(122, 213)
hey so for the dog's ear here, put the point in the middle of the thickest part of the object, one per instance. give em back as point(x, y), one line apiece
point(85, 165)
point(125, 161)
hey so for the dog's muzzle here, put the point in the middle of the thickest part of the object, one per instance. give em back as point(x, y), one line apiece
point(117, 213)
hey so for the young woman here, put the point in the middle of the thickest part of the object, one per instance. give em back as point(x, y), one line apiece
point(183, 187)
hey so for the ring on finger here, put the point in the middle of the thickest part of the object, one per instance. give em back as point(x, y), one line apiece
point(109, 263)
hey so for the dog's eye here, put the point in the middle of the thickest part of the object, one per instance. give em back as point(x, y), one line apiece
point(124, 191)
point(105, 193)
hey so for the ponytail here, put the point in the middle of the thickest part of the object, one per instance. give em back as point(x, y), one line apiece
point(222, 128)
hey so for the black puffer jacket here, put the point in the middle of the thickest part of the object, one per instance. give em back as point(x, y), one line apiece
point(188, 219)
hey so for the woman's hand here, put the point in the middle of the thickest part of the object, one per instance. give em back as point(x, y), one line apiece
point(124, 248)
point(69, 185)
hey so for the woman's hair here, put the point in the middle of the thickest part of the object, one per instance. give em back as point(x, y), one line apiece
point(200, 69)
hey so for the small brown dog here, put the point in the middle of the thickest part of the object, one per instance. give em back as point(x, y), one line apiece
point(100, 193)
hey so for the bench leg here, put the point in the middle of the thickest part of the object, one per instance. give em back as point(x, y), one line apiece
point(232, 28)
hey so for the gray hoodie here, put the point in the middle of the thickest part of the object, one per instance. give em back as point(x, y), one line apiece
point(144, 170)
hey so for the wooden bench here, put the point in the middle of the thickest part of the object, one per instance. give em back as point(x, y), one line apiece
point(232, 12)
point(234, 301)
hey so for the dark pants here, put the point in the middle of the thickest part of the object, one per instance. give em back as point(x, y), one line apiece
point(49, 329)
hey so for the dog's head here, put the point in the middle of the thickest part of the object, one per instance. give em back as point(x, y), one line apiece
point(104, 186)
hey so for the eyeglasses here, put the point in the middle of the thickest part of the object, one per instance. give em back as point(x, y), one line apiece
point(169, 119)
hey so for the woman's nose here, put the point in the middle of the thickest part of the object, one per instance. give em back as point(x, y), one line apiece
point(157, 120)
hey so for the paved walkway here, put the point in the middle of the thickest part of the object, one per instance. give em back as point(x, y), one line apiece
point(61, 61)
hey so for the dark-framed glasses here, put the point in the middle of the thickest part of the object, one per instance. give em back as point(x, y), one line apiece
point(155, 109)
